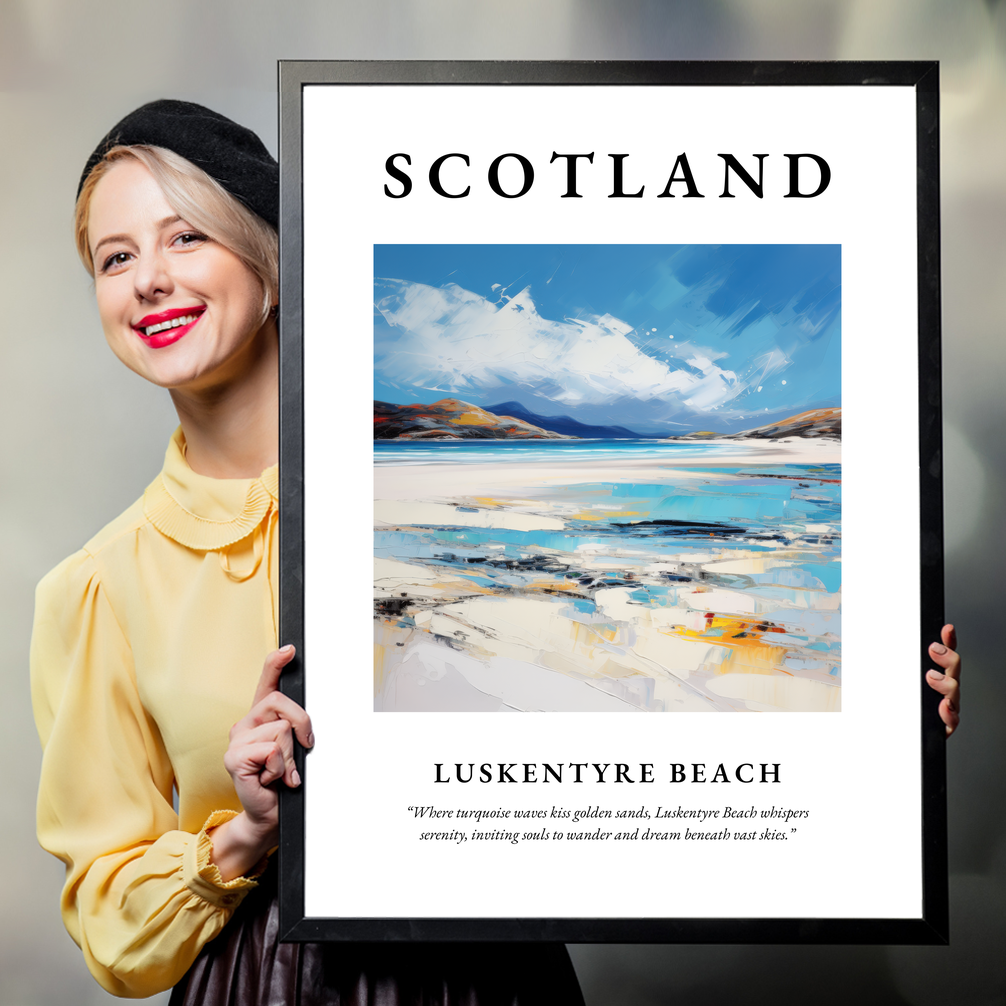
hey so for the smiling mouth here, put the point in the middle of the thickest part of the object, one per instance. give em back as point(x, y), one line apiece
point(185, 319)
point(165, 324)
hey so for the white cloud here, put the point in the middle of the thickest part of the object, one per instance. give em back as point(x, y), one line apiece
point(764, 366)
point(454, 341)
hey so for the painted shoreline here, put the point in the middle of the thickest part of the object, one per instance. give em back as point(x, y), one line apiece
point(451, 477)
point(564, 627)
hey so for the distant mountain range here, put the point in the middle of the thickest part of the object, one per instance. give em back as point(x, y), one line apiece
point(815, 423)
point(564, 424)
point(452, 419)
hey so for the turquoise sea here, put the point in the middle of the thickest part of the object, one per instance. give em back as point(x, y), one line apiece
point(418, 452)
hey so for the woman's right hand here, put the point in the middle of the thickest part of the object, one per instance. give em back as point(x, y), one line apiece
point(260, 753)
point(948, 681)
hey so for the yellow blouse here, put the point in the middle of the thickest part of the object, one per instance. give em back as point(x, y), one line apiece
point(147, 647)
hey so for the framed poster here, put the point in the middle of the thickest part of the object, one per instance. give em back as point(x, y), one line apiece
point(641, 361)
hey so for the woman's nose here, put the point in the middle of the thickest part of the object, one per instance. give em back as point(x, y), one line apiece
point(152, 277)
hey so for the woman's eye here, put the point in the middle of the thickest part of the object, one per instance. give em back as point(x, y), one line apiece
point(190, 238)
point(114, 261)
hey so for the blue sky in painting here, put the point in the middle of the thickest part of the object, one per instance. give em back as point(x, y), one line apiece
point(657, 338)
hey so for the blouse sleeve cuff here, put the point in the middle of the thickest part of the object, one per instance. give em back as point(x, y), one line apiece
point(202, 876)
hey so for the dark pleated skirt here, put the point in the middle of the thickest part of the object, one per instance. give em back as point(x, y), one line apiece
point(246, 965)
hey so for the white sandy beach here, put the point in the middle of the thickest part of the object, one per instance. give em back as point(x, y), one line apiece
point(447, 479)
point(522, 636)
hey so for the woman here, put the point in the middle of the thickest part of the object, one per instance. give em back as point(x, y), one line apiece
point(148, 643)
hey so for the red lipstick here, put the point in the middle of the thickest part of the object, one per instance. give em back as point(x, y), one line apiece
point(165, 333)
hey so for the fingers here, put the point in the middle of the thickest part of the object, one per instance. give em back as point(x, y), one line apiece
point(949, 636)
point(949, 712)
point(271, 671)
point(270, 703)
point(271, 759)
point(265, 751)
point(947, 681)
point(945, 655)
point(281, 767)
point(262, 761)
point(261, 749)
point(277, 706)
point(949, 688)
point(951, 717)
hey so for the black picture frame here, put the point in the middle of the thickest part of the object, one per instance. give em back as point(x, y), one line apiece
point(932, 925)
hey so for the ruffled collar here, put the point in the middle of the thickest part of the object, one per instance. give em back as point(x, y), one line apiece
point(203, 513)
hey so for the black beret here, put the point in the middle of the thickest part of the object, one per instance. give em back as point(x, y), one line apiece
point(230, 154)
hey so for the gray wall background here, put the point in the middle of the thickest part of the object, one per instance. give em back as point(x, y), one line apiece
point(82, 436)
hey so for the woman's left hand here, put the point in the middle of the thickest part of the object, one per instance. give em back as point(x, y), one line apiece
point(947, 682)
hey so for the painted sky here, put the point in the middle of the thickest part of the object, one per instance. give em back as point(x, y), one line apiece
point(657, 338)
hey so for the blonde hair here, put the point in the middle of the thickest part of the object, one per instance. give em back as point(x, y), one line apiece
point(199, 200)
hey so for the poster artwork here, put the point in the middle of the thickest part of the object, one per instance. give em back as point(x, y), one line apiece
point(645, 352)
point(607, 477)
